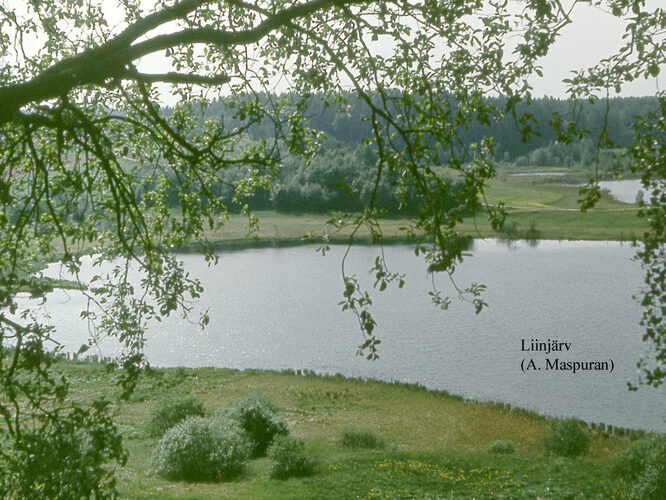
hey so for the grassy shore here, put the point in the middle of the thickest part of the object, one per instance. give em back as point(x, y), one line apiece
point(436, 443)
point(538, 209)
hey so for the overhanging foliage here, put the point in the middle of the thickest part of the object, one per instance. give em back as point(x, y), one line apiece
point(90, 162)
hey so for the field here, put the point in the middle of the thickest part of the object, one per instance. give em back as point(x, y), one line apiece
point(436, 443)
point(539, 208)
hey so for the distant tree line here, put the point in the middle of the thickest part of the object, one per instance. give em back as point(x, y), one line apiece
point(344, 123)
point(342, 177)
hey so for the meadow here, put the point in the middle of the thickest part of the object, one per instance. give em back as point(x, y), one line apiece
point(538, 208)
point(436, 444)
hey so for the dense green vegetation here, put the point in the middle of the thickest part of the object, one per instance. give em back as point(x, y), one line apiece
point(259, 418)
point(343, 175)
point(538, 206)
point(202, 449)
point(436, 445)
point(359, 437)
point(643, 463)
point(290, 458)
point(566, 438)
point(171, 412)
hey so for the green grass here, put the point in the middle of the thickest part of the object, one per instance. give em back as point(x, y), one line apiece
point(436, 443)
point(542, 203)
point(621, 225)
point(607, 224)
point(541, 192)
point(398, 475)
point(551, 209)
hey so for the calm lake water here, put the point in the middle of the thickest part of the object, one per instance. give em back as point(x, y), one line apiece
point(277, 308)
point(539, 174)
point(625, 191)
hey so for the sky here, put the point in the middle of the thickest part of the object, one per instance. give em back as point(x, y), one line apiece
point(593, 35)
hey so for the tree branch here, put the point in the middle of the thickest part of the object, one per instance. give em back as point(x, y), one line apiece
point(173, 77)
point(222, 37)
point(128, 35)
point(110, 60)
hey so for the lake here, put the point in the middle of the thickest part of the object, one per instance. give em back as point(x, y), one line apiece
point(626, 190)
point(277, 308)
point(538, 174)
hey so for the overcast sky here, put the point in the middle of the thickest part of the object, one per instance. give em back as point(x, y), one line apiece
point(593, 35)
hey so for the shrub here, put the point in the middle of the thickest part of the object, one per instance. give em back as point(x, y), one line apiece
point(258, 417)
point(358, 437)
point(532, 233)
point(567, 438)
point(501, 447)
point(170, 412)
point(643, 463)
point(64, 458)
point(640, 197)
point(200, 449)
point(289, 458)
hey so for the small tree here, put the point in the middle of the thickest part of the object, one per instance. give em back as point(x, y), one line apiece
point(258, 417)
point(567, 438)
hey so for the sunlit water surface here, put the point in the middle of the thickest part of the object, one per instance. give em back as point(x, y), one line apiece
point(278, 308)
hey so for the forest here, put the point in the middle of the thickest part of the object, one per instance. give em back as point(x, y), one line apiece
point(342, 176)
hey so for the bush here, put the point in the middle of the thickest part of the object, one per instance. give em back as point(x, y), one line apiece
point(643, 463)
point(289, 458)
point(567, 438)
point(258, 417)
point(358, 437)
point(170, 412)
point(65, 457)
point(501, 447)
point(200, 449)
